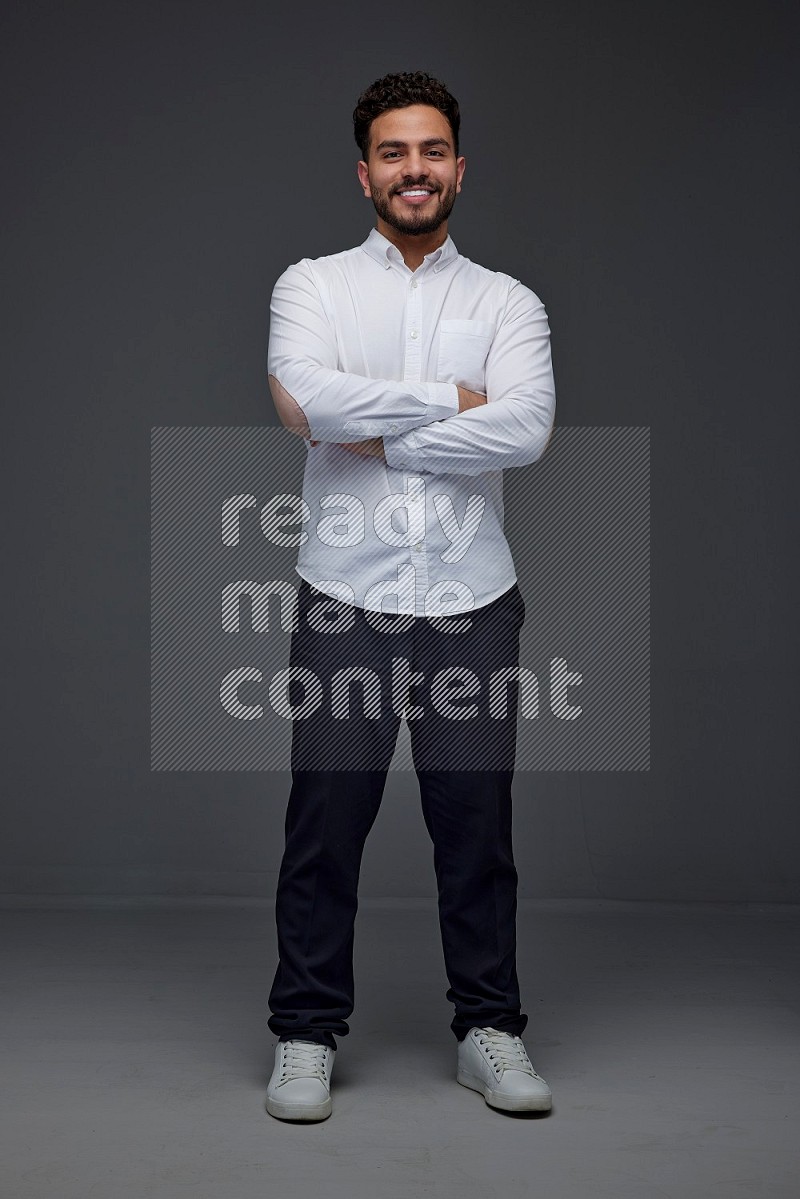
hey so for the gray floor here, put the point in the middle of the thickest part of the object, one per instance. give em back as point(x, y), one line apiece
point(135, 1056)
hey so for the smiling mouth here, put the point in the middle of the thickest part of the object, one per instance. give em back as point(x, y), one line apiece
point(415, 195)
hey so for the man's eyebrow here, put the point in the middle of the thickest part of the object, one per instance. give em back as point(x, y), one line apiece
point(429, 141)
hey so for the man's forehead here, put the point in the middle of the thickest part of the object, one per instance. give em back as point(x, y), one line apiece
point(417, 123)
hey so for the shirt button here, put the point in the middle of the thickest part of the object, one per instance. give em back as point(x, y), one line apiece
point(414, 283)
point(413, 333)
point(394, 428)
point(418, 546)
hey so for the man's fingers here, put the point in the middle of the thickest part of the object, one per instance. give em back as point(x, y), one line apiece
point(467, 400)
point(373, 447)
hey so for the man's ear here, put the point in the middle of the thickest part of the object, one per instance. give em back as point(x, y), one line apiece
point(363, 177)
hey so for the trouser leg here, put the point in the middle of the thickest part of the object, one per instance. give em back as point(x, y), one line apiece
point(328, 817)
point(465, 768)
point(468, 816)
point(339, 768)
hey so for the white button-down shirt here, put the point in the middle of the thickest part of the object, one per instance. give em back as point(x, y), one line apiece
point(369, 348)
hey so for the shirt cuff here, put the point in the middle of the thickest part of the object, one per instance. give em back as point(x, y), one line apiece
point(445, 396)
point(442, 402)
point(402, 451)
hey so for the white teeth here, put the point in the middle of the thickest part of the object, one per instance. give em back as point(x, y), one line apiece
point(420, 192)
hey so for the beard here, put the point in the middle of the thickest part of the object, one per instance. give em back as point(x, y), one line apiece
point(413, 222)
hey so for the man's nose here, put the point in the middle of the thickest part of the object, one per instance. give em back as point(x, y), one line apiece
point(416, 167)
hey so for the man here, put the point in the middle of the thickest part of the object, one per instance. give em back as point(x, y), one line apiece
point(416, 377)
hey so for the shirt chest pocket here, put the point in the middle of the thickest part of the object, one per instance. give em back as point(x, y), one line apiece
point(463, 349)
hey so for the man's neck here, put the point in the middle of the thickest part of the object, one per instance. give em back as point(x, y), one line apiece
point(414, 247)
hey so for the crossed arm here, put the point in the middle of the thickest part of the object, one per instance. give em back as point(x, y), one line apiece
point(294, 419)
point(435, 427)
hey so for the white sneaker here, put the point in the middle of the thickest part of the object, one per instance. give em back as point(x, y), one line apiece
point(496, 1064)
point(300, 1086)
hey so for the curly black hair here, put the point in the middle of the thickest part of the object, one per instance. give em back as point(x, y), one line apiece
point(401, 91)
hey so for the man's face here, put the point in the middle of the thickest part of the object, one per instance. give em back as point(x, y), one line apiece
point(412, 149)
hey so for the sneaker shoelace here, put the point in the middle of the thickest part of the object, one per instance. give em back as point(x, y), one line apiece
point(506, 1052)
point(301, 1059)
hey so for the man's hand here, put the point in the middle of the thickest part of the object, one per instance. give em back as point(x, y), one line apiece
point(469, 399)
point(372, 448)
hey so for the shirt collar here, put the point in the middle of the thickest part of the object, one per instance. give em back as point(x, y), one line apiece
point(384, 252)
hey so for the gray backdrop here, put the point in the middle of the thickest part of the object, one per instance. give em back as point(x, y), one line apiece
point(635, 164)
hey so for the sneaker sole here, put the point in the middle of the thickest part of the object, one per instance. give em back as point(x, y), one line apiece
point(299, 1111)
point(536, 1103)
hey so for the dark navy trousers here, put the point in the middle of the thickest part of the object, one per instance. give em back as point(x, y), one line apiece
point(462, 719)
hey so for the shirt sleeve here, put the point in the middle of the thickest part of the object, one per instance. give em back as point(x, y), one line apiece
point(337, 405)
point(514, 426)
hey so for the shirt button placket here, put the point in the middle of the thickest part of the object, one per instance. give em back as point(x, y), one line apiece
point(412, 372)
